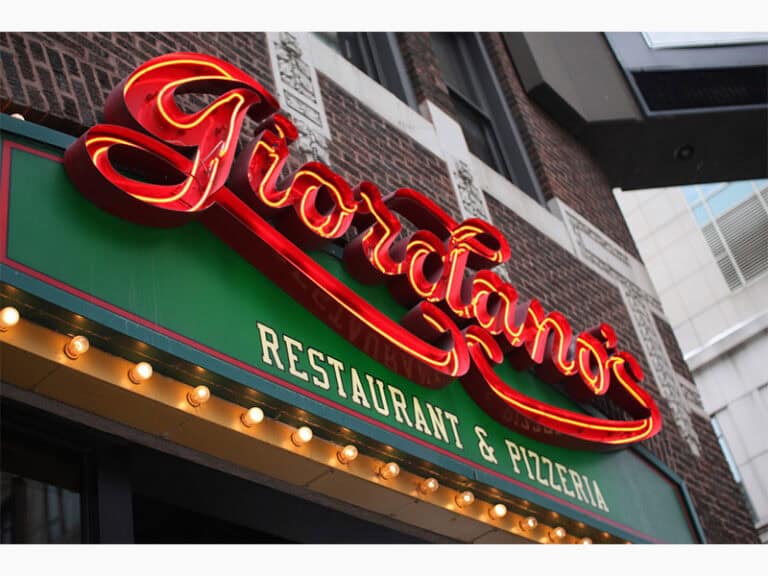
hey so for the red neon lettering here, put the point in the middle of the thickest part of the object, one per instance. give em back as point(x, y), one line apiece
point(429, 271)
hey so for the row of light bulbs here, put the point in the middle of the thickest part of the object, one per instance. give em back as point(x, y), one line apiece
point(142, 371)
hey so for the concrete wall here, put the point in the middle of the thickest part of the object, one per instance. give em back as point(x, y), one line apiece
point(723, 334)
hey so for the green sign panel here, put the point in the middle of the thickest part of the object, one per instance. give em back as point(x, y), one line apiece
point(185, 287)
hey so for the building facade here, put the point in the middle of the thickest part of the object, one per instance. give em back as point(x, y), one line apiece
point(444, 114)
point(706, 248)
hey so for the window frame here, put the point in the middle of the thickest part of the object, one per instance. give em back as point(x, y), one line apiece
point(492, 106)
point(705, 193)
point(380, 59)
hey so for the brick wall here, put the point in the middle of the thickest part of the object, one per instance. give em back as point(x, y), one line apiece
point(564, 167)
point(673, 349)
point(364, 147)
point(61, 80)
point(541, 268)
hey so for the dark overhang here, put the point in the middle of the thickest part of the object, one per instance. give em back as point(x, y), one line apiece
point(653, 116)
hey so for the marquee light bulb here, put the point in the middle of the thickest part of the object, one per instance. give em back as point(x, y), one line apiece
point(557, 534)
point(301, 436)
point(9, 317)
point(76, 347)
point(465, 499)
point(347, 454)
point(586, 540)
point(389, 470)
point(198, 396)
point(141, 372)
point(429, 486)
point(252, 416)
point(498, 511)
point(528, 523)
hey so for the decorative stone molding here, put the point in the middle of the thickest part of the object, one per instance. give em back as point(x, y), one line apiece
point(299, 92)
point(691, 393)
point(472, 200)
point(609, 260)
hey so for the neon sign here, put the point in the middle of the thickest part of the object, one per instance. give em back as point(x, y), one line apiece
point(154, 164)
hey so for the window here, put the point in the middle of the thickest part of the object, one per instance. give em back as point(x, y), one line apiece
point(482, 112)
point(378, 55)
point(733, 216)
point(40, 490)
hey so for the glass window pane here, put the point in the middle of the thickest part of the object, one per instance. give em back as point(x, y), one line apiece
point(39, 489)
point(761, 184)
point(691, 194)
point(707, 189)
point(701, 215)
point(453, 64)
point(376, 54)
point(38, 513)
point(478, 134)
point(730, 196)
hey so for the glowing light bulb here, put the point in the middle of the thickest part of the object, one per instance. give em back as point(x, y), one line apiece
point(429, 486)
point(389, 470)
point(498, 511)
point(301, 436)
point(17, 116)
point(252, 416)
point(9, 317)
point(586, 540)
point(141, 372)
point(528, 523)
point(76, 347)
point(465, 499)
point(557, 534)
point(198, 396)
point(347, 454)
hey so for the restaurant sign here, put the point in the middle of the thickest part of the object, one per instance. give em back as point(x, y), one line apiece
point(412, 339)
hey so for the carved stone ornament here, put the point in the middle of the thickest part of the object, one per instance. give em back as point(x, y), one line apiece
point(299, 92)
point(609, 260)
point(472, 201)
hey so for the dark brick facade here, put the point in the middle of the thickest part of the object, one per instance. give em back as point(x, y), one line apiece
point(362, 148)
point(541, 268)
point(670, 342)
point(61, 80)
point(564, 167)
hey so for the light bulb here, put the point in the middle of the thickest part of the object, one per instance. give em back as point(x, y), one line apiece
point(389, 470)
point(17, 116)
point(141, 372)
point(498, 511)
point(429, 486)
point(199, 395)
point(252, 416)
point(528, 523)
point(465, 499)
point(76, 347)
point(347, 454)
point(9, 317)
point(301, 436)
point(586, 540)
point(557, 534)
